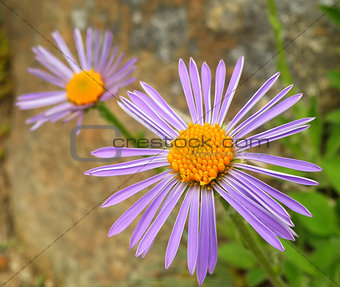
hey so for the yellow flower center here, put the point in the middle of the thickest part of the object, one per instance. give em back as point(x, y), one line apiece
point(85, 87)
point(201, 154)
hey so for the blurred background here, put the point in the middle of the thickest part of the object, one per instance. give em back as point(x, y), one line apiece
point(43, 192)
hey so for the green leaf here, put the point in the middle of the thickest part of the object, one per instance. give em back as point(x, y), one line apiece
point(326, 253)
point(323, 222)
point(331, 13)
point(235, 254)
point(333, 117)
point(297, 258)
point(333, 143)
point(255, 277)
point(335, 79)
point(331, 167)
point(294, 275)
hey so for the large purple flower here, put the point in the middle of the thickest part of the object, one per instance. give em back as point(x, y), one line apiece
point(98, 77)
point(203, 162)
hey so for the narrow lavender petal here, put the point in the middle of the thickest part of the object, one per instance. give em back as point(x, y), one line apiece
point(156, 108)
point(269, 220)
point(206, 88)
point(89, 43)
point(212, 233)
point(192, 252)
point(96, 49)
point(271, 103)
point(184, 77)
point(65, 51)
point(111, 60)
point(129, 215)
point(130, 167)
point(268, 115)
point(105, 50)
point(203, 241)
point(155, 117)
point(282, 128)
point(52, 63)
point(280, 161)
point(57, 109)
point(232, 86)
point(80, 49)
point(135, 113)
point(196, 87)
point(177, 230)
point(285, 199)
point(254, 99)
point(72, 116)
point(42, 102)
point(152, 232)
point(281, 175)
point(56, 117)
point(145, 220)
point(47, 77)
point(116, 64)
point(162, 104)
point(122, 84)
point(39, 95)
point(110, 151)
point(219, 86)
point(131, 190)
point(261, 197)
point(260, 228)
point(124, 71)
point(270, 138)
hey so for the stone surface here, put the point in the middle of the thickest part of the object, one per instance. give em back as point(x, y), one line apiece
point(49, 194)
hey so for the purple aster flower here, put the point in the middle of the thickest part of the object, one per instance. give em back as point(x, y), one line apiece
point(98, 77)
point(204, 161)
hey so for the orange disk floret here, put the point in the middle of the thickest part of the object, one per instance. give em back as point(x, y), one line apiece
point(85, 87)
point(201, 153)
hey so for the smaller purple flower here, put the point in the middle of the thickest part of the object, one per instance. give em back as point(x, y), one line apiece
point(98, 77)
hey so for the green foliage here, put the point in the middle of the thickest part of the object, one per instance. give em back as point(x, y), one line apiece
point(236, 255)
point(332, 13)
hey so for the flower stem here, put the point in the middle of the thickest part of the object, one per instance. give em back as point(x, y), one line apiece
point(112, 119)
point(254, 247)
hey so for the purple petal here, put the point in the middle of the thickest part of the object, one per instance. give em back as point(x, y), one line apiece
point(285, 199)
point(38, 95)
point(177, 230)
point(260, 228)
point(89, 43)
point(193, 229)
point(270, 114)
point(47, 77)
point(219, 86)
point(110, 151)
point(212, 233)
point(184, 77)
point(128, 216)
point(131, 190)
point(254, 99)
point(80, 49)
point(149, 214)
point(162, 104)
point(65, 51)
point(152, 232)
point(155, 117)
point(116, 64)
point(232, 86)
point(269, 220)
point(196, 87)
point(281, 175)
point(203, 242)
point(96, 49)
point(276, 99)
point(280, 161)
point(130, 167)
point(105, 50)
point(206, 87)
point(42, 102)
point(272, 136)
point(111, 59)
point(141, 117)
point(127, 69)
point(260, 196)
